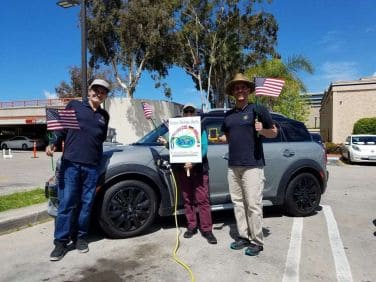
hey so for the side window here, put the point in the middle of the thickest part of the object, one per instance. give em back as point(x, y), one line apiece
point(213, 129)
point(278, 138)
point(295, 131)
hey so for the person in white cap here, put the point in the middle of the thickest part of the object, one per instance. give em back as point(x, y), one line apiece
point(83, 148)
point(243, 127)
point(195, 188)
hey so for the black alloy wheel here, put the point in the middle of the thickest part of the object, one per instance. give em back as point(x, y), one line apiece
point(303, 195)
point(129, 208)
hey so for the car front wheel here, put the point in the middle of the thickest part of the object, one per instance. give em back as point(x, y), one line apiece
point(4, 146)
point(129, 208)
point(303, 195)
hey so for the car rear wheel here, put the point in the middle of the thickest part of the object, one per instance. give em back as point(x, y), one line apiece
point(4, 146)
point(24, 147)
point(129, 208)
point(303, 195)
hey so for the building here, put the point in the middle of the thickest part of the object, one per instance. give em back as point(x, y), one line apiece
point(343, 104)
point(314, 102)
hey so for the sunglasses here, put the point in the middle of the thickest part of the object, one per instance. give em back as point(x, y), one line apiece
point(189, 111)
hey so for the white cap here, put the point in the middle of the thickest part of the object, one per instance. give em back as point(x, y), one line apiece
point(102, 83)
point(189, 105)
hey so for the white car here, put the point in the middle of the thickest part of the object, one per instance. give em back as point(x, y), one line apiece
point(359, 148)
point(22, 142)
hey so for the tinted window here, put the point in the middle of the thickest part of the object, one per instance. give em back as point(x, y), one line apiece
point(295, 131)
point(212, 126)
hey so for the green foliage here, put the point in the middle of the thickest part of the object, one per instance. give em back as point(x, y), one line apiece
point(365, 126)
point(132, 36)
point(290, 103)
point(22, 199)
point(218, 38)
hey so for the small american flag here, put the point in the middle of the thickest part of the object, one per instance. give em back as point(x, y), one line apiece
point(268, 86)
point(61, 119)
point(148, 110)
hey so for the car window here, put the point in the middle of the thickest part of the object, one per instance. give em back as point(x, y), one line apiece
point(212, 126)
point(364, 140)
point(295, 131)
point(151, 137)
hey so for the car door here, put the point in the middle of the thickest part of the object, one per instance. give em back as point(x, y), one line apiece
point(217, 153)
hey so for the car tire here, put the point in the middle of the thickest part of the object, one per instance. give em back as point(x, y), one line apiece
point(303, 195)
point(128, 209)
point(24, 147)
point(4, 146)
point(349, 158)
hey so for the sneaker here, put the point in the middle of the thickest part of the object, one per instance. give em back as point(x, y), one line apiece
point(190, 232)
point(253, 250)
point(82, 246)
point(59, 252)
point(210, 237)
point(240, 244)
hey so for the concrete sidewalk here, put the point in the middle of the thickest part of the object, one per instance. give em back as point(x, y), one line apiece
point(13, 220)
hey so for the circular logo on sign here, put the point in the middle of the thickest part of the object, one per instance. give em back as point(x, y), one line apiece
point(185, 141)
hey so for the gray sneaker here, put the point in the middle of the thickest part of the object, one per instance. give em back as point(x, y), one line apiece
point(59, 252)
point(82, 246)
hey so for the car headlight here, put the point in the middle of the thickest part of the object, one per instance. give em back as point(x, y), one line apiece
point(356, 148)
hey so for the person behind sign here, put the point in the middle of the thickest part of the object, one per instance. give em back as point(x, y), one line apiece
point(242, 127)
point(78, 171)
point(193, 180)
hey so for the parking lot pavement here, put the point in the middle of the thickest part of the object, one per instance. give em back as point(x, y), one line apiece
point(24, 171)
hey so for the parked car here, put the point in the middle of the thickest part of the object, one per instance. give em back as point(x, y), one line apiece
point(359, 148)
point(136, 183)
point(22, 142)
point(317, 138)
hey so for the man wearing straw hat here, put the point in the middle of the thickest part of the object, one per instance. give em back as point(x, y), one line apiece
point(242, 128)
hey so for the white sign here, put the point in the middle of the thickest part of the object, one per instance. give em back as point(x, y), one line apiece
point(185, 140)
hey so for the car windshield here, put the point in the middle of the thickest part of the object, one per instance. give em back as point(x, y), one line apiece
point(364, 140)
point(151, 137)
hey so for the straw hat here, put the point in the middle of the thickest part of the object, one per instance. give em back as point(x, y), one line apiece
point(239, 77)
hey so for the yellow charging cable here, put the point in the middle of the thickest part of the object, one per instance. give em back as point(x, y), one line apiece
point(177, 233)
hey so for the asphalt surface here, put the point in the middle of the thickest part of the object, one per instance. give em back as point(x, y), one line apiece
point(24, 172)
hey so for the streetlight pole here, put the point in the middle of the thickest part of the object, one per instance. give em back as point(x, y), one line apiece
point(82, 3)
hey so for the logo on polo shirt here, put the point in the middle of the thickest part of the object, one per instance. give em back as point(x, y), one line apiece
point(101, 120)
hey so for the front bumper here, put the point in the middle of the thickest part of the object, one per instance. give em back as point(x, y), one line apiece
point(50, 191)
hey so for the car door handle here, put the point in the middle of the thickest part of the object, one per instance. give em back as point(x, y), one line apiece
point(288, 153)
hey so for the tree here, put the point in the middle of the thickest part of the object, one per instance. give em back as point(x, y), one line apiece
point(291, 102)
point(218, 38)
point(74, 88)
point(132, 36)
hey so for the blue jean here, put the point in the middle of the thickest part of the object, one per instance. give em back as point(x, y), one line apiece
point(77, 184)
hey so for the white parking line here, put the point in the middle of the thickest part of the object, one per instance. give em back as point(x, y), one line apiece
point(340, 260)
point(291, 273)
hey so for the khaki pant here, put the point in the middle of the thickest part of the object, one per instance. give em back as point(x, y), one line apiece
point(246, 186)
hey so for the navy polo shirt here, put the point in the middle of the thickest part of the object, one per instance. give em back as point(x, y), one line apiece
point(245, 148)
point(84, 145)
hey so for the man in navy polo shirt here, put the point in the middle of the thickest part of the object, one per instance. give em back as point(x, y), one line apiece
point(78, 175)
point(243, 126)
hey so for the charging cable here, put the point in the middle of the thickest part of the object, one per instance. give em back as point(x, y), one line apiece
point(177, 232)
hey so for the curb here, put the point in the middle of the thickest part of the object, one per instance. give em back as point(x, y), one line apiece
point(16, 219)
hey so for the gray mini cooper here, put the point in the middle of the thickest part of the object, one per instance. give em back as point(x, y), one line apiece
point(135, 182)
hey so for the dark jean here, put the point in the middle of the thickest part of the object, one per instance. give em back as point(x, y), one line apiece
point(77, 184)
point(195, 191)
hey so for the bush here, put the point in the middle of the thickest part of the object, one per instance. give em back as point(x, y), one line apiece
point(332, 148)
point(365, 126)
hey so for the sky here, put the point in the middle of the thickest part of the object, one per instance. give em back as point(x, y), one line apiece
point(40, 41)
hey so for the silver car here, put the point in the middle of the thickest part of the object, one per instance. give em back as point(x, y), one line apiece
point(22, 142)
point(136, 181)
